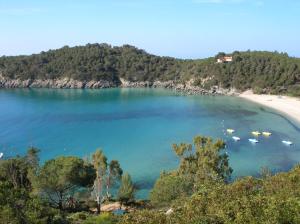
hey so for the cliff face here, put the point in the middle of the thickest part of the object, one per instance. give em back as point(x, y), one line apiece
point(187, 88)
point(55, 83)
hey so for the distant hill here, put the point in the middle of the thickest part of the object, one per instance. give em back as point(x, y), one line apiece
point(264, 72)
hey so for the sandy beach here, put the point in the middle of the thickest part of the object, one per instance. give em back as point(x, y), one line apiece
point(284, 104)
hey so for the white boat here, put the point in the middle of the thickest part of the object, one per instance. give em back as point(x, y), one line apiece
point(253, 140)
point(1, 155)
point(287, 142)
point(266, 133)
point(235, 138)
point(230, 131)
point(256, 133)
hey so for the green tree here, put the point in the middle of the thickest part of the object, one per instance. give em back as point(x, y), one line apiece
point(126, 190)
point(58, 178)
point(17, 170)
point(17, 206)
point(205, 160)
point(169, 187)
point(100, 165)
point(32, 157)
point(114, 174)
point(203, 163)
point(220, 55)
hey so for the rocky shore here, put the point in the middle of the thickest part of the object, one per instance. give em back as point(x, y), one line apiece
point(55, 83)
point(186, 88)
point(66, 83)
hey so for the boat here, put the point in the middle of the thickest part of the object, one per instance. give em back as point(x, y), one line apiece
point(253, 140)
point(287, 142)
point(235, 138)
point(256, 133)
point(266, 133)
point(230, 130)
point(1, 155)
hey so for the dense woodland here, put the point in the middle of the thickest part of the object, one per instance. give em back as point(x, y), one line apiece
point(200, 191)
point(264, 72)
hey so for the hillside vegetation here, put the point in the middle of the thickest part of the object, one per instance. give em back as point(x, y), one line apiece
point(264, 72)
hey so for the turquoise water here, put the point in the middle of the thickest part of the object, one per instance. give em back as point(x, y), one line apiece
point(138, 126)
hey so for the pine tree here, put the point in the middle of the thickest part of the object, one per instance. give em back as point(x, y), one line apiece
point(100, 165)
point(126, 190)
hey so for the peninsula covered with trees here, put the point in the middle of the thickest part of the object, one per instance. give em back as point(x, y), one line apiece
point(102, 66)
point(71, 190)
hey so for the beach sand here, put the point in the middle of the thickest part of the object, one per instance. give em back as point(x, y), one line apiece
point(284, 104)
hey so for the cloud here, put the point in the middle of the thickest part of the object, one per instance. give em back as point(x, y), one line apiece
point(19, 11)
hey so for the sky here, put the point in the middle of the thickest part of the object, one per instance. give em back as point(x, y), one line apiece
point(177, 28)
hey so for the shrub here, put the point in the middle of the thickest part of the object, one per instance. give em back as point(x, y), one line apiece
point(104, 218)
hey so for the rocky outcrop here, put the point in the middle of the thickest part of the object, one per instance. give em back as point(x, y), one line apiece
point(112, 207)
point(186, 88)
point(55, 83)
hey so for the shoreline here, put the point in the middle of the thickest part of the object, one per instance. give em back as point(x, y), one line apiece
point(287, 105)
point(186, 88)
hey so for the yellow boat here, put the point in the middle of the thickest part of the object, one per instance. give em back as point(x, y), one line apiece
point(256, 133)
point(266, 133)
point(230, 130)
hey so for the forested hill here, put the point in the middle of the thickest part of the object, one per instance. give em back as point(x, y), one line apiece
point(269, 72)
point(90, 62)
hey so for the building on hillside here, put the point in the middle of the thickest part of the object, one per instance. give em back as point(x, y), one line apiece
point(224, 59)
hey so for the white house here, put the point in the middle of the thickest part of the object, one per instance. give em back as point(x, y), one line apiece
point(224, 59)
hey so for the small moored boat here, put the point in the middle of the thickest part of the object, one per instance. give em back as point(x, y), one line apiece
point(1, 155)
point(266, 133)
point(287, 142)
point(235, 138)
point(230, 130)
point(256, 133)
point(253, 140)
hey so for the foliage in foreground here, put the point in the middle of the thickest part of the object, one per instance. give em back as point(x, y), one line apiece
point(202, 162)
point(272, 200)
point(198, 192)
point(59, 178)
point(86, 218)
point(17, 204)
point(30, 193)
point(126, 190)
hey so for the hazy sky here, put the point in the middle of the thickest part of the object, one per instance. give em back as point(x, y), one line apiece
point(178, 28)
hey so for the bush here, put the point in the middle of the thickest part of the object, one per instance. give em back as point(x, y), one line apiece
point(78, 217)
point(168, 188)
point(144, 217)
point(104, 218)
